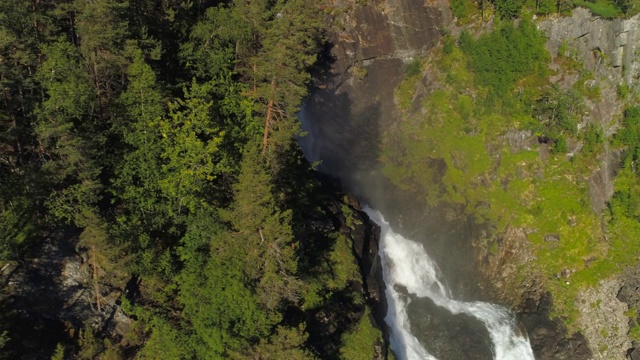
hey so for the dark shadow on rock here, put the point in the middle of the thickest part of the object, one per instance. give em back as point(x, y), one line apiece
point(49, 298)
point(34, 306)
point(448, 336)
point(327, 324)
point(550, 338)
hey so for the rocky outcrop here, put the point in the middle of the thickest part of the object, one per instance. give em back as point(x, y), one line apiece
point(384, 30)
point(340, 213)
point(501, 261)
point(608, 46)
point(369, 47)
point(601, 180)
point(366, 236)
point(608, 49)
point(550, 339)
point(629, 293)
point(603, 320)
point(49, 298)
point(437, 329)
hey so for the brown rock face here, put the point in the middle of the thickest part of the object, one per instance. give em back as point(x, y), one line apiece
point(369, 47)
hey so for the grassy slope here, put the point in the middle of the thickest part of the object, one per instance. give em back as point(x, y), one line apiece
point(503, 187)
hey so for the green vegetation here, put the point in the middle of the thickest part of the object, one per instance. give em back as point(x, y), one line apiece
point(634, 332)
point(604, 8)
point(502, 57)
point(508, 9)
point(624, 207)
point(460, 152)
point(460, 8)
point(466, 10)
point(414, 68)
point(360, 343)
point(158, 137)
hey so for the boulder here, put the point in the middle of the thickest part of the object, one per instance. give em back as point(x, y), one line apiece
point(449, 336)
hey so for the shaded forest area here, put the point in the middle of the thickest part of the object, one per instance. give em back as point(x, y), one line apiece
point(157, 139)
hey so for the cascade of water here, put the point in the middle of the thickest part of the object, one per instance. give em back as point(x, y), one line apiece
point(407, 264)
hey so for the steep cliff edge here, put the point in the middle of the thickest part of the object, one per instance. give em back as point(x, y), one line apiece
point(353, 109)
point(607, 48)
point(368, 49)
point(534, 199)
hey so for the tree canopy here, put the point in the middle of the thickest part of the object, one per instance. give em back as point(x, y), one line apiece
point(158, 137)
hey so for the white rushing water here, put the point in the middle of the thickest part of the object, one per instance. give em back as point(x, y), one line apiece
point(406, 263)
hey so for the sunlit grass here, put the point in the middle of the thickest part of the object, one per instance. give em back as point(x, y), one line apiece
point(604, 8)
point(503, 187)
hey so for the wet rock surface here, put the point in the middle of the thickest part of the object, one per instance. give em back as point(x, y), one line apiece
point(448, 336)
point(499, 262)
point(549, 338)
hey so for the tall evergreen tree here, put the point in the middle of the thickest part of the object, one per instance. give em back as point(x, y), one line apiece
point(288, 48)
point(102, 30)
point(23, 29)
point(264, 232)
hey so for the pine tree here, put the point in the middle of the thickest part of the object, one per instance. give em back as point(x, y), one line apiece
point(23, 29)
point(264, 232)
point(288, 48)
point(102, 31)
point(218, 302)
point(287, 343)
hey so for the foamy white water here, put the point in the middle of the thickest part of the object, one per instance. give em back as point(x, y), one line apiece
point(406, 263)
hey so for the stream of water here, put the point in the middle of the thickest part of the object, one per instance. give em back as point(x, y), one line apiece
point(406, 263)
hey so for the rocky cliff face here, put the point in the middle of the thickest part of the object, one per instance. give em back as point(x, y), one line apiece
point(49, 298)
point(607, 48)
point(369, 48)
point(353, 106)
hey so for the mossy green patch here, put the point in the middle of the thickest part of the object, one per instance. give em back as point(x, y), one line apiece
point(338, 272)
point(604, 8)
point(359, 344)
point(458, 150)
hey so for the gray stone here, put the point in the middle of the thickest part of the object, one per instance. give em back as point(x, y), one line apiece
point(552, 238)
point(617, 39)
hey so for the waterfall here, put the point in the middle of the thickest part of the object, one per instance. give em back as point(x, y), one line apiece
point(406, 263)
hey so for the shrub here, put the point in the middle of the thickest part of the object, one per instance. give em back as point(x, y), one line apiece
point(414, 68)
point(504, 56)
point(448, 46)
point(592, 137)
point(459, 8)
point(508, 9)
point(560, 145)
